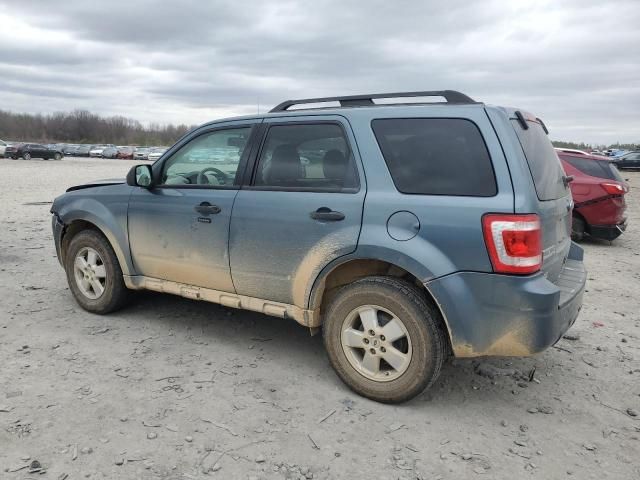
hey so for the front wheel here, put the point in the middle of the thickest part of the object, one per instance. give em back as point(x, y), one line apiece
point(57, 156)
point(26, 156)
point(94, 274)
point(384, 340)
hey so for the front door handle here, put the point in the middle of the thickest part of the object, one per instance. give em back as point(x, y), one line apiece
point(327, 215)
point(205, 208)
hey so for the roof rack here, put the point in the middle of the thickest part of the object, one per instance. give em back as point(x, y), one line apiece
point(451, 96)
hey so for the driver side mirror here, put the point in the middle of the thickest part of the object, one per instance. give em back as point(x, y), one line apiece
point(140, 176)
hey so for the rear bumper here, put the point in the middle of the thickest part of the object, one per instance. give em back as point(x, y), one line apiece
point(607, 232)
point(504, 315)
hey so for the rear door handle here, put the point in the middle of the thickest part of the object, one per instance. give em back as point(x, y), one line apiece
point(327, 215)
point(205, 208)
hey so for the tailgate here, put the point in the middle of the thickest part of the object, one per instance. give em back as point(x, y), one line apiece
point(552, 189)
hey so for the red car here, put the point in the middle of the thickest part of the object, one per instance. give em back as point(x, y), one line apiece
point(598, 193)
point(125, 153)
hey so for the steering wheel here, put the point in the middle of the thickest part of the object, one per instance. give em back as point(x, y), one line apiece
point(220, 175)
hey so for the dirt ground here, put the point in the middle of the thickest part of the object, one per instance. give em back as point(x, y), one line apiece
point(177, 389)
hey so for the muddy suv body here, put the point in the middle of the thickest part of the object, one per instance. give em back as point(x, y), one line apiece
point(407, 231)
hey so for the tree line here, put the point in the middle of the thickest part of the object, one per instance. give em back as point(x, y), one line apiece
point(588, 147)
point(81, 126)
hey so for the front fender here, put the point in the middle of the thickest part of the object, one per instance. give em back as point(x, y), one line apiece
point(109, 217)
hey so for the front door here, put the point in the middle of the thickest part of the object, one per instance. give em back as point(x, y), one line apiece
point(178, 230)
point(302, 209)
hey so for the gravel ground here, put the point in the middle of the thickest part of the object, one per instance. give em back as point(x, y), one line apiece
point(179, 389)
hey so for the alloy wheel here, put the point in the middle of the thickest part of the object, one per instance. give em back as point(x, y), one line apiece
point(376, 343)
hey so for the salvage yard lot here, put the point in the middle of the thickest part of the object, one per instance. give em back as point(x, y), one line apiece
point(173, 388)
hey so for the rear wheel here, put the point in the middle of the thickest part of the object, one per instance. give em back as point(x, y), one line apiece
point(94, 274)
point(578, 228)
point(383, 339)
point(57, 156)
point(26, 156)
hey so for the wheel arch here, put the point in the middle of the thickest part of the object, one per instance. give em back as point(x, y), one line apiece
point(348, 269)
point(79, 221)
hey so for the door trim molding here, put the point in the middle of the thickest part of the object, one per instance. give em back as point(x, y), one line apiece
point(307, 318)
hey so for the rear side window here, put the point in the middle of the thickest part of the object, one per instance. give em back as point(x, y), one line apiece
point(436, 156)
point(314, 157)
point(594, 168)
point(543, 161)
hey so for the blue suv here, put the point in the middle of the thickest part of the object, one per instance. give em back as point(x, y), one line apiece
point(407, 230)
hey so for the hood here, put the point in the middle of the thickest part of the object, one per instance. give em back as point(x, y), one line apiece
point(97, 183)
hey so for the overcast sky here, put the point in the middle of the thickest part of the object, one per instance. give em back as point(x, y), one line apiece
point(574, 63)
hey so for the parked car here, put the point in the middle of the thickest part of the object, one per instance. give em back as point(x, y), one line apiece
point(425, 239)
point(3, 146)
point(155, 153)
point(125, 153)
point(109, 152)
point(598, 193)
point(628, 160)
point(141, 153)
point(32, 150)
point(83, 150)
point(70, 150)
point(96, 150)
point(571, 150)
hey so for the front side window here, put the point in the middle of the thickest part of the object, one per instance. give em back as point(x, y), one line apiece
point(210, 159)
point(314, 157)
point(436, 156)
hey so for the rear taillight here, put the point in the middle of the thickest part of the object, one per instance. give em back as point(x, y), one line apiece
point(514, 242)
point(613, 188)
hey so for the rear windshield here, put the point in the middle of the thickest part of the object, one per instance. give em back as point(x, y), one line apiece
point(436, 156)
point(543, 161)
point(595, 168)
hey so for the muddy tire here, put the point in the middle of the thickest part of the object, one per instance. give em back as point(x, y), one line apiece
point(383, 338)
point(94, 274)
point(578, 228)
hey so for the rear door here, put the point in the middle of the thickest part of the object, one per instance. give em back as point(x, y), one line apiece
point(552, 189)
point(301, 207)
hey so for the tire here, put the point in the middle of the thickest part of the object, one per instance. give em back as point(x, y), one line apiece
point(423, 343)
point(578, 228)
point(115, 294)
point(57, 156)
point(26, 156)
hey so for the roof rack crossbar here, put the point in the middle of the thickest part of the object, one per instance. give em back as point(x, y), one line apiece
point(451, 96)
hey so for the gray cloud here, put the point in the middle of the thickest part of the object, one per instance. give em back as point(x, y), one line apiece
point(573, 63)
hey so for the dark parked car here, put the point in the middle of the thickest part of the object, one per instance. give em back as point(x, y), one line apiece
point(598, 193)
point(109, 152)
point(70, 150)
point(629, 160)
point(32, 150)
point(83, 150)
point(406, 232)
point(125, 153)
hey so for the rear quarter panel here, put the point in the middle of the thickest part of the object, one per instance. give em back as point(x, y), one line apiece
point(450, 236)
